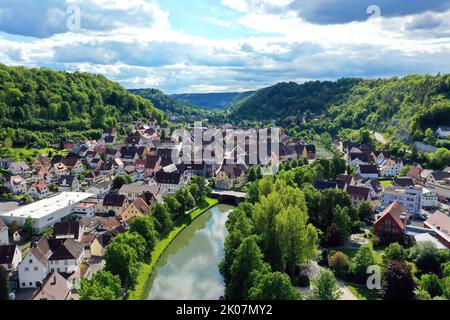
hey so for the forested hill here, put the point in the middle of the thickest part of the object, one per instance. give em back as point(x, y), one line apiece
point(212, 100)
point(290, 99)
point(164, 101)
point(399, 106)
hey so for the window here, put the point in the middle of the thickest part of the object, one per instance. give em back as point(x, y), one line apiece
point(27, 269)
point(31, 261)
point(36, 269)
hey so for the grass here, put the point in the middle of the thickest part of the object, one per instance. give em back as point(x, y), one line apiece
point(24, 153)
point(351, 252)
point(363, 293)
point(146, 270)
point(385, 183)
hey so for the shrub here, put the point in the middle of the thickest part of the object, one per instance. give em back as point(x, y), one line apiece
point(339, 263)
point(303, 281)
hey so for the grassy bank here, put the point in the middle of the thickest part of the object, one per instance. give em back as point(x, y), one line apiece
point(137, 292)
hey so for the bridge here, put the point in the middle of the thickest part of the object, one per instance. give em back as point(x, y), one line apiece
point(229, 196)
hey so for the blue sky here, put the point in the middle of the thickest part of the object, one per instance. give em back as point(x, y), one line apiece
point(227, 45)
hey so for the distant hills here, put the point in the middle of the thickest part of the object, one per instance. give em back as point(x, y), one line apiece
point(212, 100)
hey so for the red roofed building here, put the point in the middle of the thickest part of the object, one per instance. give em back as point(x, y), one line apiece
point(391, 224)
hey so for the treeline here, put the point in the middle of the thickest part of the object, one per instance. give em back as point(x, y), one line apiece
point(128, 250)
point(43, 101)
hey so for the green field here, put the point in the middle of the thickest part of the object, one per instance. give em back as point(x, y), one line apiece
point(27, 154)
point(385, 183)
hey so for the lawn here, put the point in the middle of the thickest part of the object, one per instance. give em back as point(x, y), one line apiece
point(385, 183)
point(351, 252)
point(27, 154)
point(363, 293)
point(146, 268)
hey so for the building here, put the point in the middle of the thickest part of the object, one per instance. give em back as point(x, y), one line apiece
point(114, 202)
point(68, 184)
point(324, 185)
point(85, 209)
point(10, 257)
point(368, 171)
point(391, 223)
point(34, 268)
point(170, 181)
point(375, 188)
point(138, 208)
point(358, 194)
point(439, 182)
point(391, 168)
point(100, 189)
point(135, 191)
point(429, 199)
point(17, 185)
point(54, 288)
point(4, 235)
point(440, 224)
point(19, 168)
point(443, 132)
point(68, 230)
point(45, 213)
point(409, 197)
point(230, 176)
point(38, 191)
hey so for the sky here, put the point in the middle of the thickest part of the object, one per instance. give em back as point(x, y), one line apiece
point(181, 46)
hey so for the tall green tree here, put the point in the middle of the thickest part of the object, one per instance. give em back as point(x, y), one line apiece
point(398, 283)
point(325, 286)
point(122, 260)
point(273, 286)
point(102, 286)
point(135, 241)
point(361, 262)
point(145, 227)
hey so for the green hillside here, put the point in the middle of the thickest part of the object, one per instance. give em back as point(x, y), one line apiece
point(212, 100)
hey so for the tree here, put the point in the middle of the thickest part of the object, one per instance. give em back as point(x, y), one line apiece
point(122, 260)
point(325, 286)
point(4, 284)
point(342, 219)
point(247, 263)
point(273, 286)
point(135, 241)
point(430, 283)
point(426, 257)
point(365, 211)
point(102, 286)
point(339, 263)
point(163, 220)
point(145, 227)
point(185, 199)
point(398, 283)
point(252, 175)
point(333, 236)
point(174, 206)
point(445, 283)
point(361, 262)
point(28, 226)
point(394, 252)
point(118, 182)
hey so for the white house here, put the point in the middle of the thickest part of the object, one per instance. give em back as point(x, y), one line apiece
point(443, 132)
point(391, 168)
point(19, 168)
point(34, 269)
point(10, 257)
point(4, 237)
point(368, 171)
point(69, 184)
point(429, 199)
point(45, 213)
point(17, 185)
point(38, 191)
point(85, 209)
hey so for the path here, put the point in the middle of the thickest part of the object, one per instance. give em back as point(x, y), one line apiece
point(379, 137)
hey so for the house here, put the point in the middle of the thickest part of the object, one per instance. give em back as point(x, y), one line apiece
point(375, 188)
point(114, 202)
point(10, 257)
point(34, 267)
point(230, 176)
point(443, 132)
point(54, 288)
point(414, 173)
point(347, 179)
point(93, 177)
point(58, 169)
point(409, 197)
point(391, 168)
point(440, 224)
point(43, 176)
point(41, 163)
point(85, 209)
point(46, 212)
point(16, 184)
point(404, 182)
point(68, 184)
point(368, 171)
point(5, 162)
point(68, 230)
point(19, 168)
point(170, 181)
point(138, 208)
point(100, 189)
point(74, 164)
point(439, 182)
point(98, 246)
point(66, 256)
point(129, 154)
point(429, 199)
point(135, 191)
point(38, 191)
point(391, 223)
point(150, 199)
point(4, 235)
point(358, 194)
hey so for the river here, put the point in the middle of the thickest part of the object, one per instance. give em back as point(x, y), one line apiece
point(188, 269)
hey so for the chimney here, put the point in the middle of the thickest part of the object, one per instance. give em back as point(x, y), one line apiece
point(54, 281)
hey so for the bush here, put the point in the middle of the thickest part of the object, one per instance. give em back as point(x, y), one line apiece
point(339, 263)
point(303, 281)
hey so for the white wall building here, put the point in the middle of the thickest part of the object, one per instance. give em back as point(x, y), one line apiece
point(429, 199)
point(45, 213)
point(4, 237)
point(409, 197)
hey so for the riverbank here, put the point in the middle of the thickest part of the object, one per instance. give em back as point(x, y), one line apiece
point(147, 268)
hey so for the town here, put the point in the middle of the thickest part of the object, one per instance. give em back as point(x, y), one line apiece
point(78, 201)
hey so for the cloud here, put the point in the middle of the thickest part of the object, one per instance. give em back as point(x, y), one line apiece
point(45, 18)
